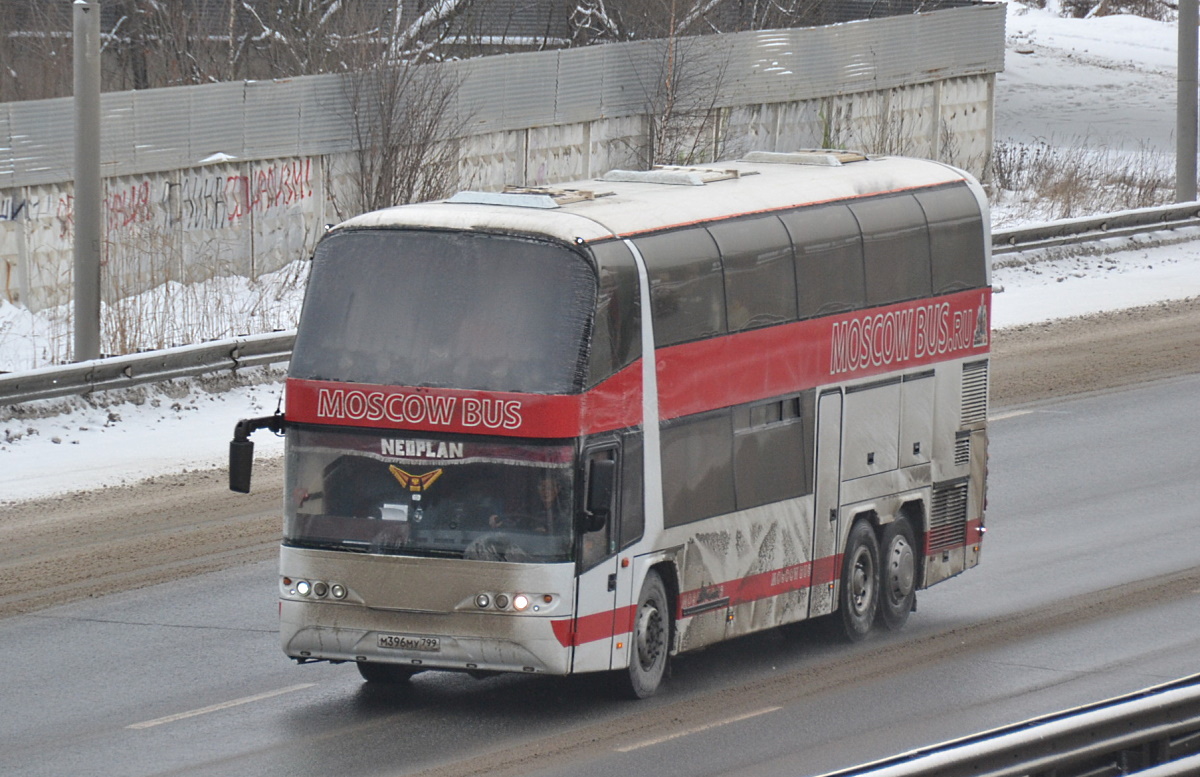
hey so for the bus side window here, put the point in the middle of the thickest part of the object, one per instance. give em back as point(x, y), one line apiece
point(687, 290)
point(829, 260)
point(600, 543)
point(633, 517)
point(895, 249)
point(769, 453)
point(616, 331)
point(697, 467)
point(955, 238)
point(760, 276)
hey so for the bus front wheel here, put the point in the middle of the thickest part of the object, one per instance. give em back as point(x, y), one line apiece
point(858, 599)
point(898, 574)
point(649, 644)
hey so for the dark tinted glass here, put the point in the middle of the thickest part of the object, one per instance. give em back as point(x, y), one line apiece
point(829, 259)
point(697, 467)
point(479, 499)
point(616, 336)
point(760, 281)
point(633, 517)
point(770, 441)
point(686, 288)
point(895, 248)
point(955, 238)
point(463, 310)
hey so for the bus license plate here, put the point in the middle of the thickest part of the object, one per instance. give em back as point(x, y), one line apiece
point(407, 642)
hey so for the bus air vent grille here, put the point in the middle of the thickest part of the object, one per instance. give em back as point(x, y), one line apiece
point(948, 518)
point(962, 448)
point(974, 392)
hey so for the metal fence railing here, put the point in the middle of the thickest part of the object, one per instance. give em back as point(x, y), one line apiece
point(1151, 733)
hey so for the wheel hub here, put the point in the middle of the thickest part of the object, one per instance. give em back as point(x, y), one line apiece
point(649, 635)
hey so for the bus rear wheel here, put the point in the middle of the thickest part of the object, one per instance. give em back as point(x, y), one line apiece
point(898, 574)
point(649, 644)
point(858, 599)
point(384, 674)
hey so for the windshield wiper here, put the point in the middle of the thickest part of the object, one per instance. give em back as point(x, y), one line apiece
point(352, 547)
point(429, 552)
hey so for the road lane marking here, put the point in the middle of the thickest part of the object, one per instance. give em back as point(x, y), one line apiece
point(1009, 414)
point(696, 730)
point(217, 707)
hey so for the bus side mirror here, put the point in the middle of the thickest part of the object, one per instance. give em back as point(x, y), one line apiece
point(241, 463)
point(602, 476)
point(241, 450)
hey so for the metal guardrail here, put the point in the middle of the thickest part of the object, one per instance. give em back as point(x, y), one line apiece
point(194, 360)
point(134, 369)
point(1150, 733)
point(1091, 228)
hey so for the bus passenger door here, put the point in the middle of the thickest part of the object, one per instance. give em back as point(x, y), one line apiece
point(596, 619)
point(826, 566)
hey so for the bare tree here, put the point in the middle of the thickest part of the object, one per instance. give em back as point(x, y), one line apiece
point(683, 120)
point(406, 126)
point(599, 21)
point(35, 51)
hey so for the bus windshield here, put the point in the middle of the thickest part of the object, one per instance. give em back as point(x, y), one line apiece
point(445, 497)
point(410, 307)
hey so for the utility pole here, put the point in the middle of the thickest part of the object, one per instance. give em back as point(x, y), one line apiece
point(1185, 105)
point(89, 194)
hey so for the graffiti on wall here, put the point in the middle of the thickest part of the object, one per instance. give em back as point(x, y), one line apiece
point(215, 201)
point(183, 224)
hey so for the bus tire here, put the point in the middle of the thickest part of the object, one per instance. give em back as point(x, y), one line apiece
point(858, 599)
point(897, 574)
point(650, 639)
point(384, 674)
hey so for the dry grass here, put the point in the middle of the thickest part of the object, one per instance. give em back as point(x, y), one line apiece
point(1043, 182)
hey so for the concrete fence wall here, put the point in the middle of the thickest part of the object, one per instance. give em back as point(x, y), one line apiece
point(239, 179)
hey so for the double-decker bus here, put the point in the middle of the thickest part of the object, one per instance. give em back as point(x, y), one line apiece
point(590, 427)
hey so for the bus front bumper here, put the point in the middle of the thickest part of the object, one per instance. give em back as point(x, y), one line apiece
point(311, 631)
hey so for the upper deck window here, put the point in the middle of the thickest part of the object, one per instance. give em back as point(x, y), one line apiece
point(446, 309)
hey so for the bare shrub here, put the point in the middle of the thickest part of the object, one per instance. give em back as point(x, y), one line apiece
point(684, 125)
point(1074, 180)
point(1159, 10)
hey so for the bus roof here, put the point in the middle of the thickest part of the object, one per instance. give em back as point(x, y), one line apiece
point(619, 205)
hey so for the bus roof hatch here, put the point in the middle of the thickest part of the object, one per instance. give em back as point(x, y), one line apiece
point(672, 175)
point(544, 197)
point(808, 156)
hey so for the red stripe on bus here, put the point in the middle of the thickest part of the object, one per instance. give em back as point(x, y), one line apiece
point(692, 377)
point(594, 627)
point(724, 371)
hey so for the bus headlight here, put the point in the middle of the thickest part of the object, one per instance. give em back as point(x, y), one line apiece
point(510, 602)
point(303, 587)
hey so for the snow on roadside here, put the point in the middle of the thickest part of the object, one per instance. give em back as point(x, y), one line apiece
point(73, 444)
